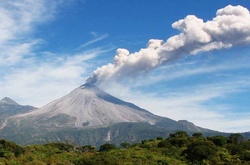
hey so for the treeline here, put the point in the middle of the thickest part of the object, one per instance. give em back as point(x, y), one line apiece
point(179, 148)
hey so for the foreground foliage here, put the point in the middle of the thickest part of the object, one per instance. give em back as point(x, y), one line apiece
point(179, 148)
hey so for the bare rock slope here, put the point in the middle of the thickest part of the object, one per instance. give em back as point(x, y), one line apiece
point(88, 106)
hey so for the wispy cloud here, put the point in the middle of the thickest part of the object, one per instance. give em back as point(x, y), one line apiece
point(18, 20)
point(96, 39)
point(196, 103)
point(187, 69)
point(29, 75)
point(42, 81)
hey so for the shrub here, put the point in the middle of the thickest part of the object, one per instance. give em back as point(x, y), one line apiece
point(235, 138)
point(60, 146)
point(197, 135)
point(106, 147)
point(199, 151)
point(234, 149)
point(219, 140)
point(125, 145)
point(164, 144)
point(159, 138)
point(87, 148)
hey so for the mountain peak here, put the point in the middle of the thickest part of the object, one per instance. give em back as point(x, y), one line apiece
point(88, 85)
point(89, 106)
point(7, 100)
point(97, 92)
point(91, 87)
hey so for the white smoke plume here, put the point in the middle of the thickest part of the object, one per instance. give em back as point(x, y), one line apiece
point(230, 27)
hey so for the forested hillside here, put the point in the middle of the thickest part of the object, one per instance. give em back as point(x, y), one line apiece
point(179, 148)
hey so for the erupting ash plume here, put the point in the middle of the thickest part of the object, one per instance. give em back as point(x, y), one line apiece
point(230, 27)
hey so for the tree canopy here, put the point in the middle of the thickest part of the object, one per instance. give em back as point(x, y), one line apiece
point(179, 148)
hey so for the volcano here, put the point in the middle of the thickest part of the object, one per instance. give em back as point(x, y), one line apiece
point(89, 113)
point(86, 107)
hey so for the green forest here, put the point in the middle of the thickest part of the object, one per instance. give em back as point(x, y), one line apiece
point(179, 148)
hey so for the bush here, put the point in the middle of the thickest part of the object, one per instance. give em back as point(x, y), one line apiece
point(164, 144)
point(179, 134)
point(246, 145)
point(179, 142)
point(199, 151)
point(219, 140)
point(245, 156)
point(234, 149)
point(144, 141)
point(60, 146)
point(87, 148)
point(125, 145)
point(36, 162)
point(6, 146)
point(159, 138)
point(162, 162)
point(235, 138)
point(106, 147)
point(179, 139)
point(197, 135)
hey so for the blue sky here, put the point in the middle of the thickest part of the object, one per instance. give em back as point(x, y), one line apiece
point(48, 48)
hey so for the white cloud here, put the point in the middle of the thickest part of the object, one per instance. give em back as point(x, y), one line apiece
point(196, 103)
point(230, 27)
point(28, 75)
point(42, 81)
point(18, 19)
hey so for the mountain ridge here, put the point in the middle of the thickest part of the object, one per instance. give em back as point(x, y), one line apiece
point(91, 107)
point(9, 107)
point(7, 100)
point(88, 115)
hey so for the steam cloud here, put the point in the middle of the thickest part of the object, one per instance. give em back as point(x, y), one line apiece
point(230, 27)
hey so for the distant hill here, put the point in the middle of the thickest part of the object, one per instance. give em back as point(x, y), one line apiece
point(9, 107)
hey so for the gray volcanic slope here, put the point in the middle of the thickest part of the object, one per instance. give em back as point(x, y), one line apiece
point(87, 106)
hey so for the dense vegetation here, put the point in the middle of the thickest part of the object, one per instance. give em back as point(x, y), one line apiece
point(179, 148)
